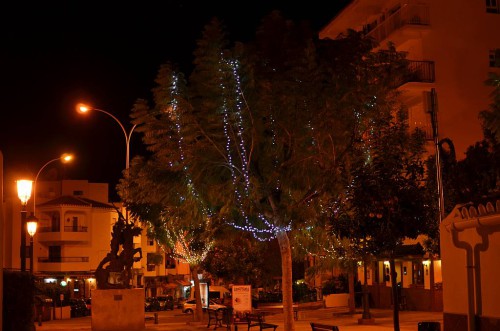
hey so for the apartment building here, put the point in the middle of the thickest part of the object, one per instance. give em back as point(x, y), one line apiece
point(73, 233)
point(161, 273)
point(75, 222)
point(452, 46)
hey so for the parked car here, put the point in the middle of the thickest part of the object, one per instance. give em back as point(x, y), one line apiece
point(190, 306)
point(88, 303)
point(166, 302)
point(180, 302)
point(151, 304)
point(78, 308)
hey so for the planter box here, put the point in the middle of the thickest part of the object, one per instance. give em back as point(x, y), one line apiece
point(61, 313)
point(336, 300)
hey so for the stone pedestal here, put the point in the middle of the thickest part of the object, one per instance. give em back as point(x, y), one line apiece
point(118, 310)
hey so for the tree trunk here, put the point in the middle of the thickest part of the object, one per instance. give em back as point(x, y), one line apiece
point(198, 313)
point(350, 277)
point(395, 296)
point(366, 294)
point(286, 272)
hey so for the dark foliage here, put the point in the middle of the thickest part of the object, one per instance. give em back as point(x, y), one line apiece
point(18, 301)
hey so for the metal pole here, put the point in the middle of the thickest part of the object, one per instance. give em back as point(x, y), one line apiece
point(439, 180)
point(23, 238)
point(31, 254)
point(1, 241)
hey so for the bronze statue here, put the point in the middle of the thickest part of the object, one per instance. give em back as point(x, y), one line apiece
point(114, 271)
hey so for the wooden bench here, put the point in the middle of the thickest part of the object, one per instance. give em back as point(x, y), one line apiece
point(323, 327)
point(258, 320)
point(214, 316)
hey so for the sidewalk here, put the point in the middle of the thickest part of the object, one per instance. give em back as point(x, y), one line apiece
point(346, 322)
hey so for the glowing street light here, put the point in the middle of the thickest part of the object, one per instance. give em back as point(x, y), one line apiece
point(65, 158)
point(24, 187)
point(31, 225)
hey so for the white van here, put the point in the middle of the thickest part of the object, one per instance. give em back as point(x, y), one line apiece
point(217, 293)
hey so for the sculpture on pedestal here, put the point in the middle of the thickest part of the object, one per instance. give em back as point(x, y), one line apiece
point(115, 269)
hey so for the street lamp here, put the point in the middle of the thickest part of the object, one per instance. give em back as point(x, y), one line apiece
point(31, 225)
point(83, 109)
point(65, 158)
point(24, 193)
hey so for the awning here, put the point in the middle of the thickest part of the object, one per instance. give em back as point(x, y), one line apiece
point(410, 250)
point(169, 285)
point(183, 282)
point(413, 251)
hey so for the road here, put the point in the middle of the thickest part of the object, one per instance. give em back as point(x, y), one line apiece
point(176, 320)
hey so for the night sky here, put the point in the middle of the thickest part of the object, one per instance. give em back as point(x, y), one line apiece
point(55, 54)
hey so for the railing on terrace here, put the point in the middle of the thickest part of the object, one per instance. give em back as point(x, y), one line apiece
point(63, 259)
point(406, 15)
point(72, 228)
point(417, 72)
point(49, 229)
point(69, 228)
point(420, 71)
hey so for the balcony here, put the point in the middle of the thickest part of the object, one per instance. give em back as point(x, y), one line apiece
point(407, 16)
point(61, 259)
point(53, 234)
point(420, 72)
point(73, 263)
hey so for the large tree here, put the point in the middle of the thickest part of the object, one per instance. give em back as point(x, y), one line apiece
point(258, 136)
point(387, 201)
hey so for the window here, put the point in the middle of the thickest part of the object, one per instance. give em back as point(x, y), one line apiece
point(492, 6)
point(495, 58)
point(151, 242)
point(153, 259)
point(418, 273)
point(77, 193)
point(169, 262)
point(55, 253)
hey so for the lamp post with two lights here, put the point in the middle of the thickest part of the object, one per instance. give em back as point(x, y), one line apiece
point(24, 187)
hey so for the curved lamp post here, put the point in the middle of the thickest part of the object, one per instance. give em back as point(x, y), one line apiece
point(24, 187)
point(65, 158)
point(83, 109)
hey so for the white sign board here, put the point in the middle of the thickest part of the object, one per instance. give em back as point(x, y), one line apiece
point(242, 298)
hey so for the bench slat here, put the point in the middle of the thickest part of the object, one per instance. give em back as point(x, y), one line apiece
point(258, 320)
point(323, 327)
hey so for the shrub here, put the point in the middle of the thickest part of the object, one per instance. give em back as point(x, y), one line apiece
point(18, 314)
point(335, 285)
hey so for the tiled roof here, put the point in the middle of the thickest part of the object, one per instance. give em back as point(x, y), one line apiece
point(484, 207)
point(70, 200)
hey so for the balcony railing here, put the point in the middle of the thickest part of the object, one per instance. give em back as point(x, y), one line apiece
point(406, 15)
point(69, 228)
point(61, 259)
point(49, 229)
point(420, 71)
point(74, 228)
